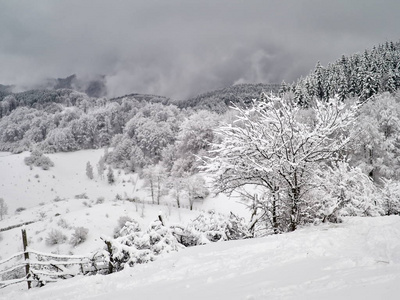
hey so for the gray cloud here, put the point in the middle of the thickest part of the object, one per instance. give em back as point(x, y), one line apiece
point(179, 48)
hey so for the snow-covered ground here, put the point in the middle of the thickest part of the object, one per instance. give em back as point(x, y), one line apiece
point(358, 259)
point(22, 187)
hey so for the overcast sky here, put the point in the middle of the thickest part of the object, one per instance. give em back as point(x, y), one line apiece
point(179, 48)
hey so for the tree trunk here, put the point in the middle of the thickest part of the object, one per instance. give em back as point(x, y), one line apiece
point(275, 223)
point(294, 213)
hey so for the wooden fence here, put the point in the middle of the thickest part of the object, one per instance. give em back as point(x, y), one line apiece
point(38, 268)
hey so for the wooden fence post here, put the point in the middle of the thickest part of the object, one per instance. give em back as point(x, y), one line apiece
point(26, 256)
point(161, 218)
point(110, 252)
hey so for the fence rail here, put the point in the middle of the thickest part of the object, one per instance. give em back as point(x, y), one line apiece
point(40, 268)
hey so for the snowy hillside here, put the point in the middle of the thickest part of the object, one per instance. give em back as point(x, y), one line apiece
point(49, 199)
point(359, 259)
point(30, 187)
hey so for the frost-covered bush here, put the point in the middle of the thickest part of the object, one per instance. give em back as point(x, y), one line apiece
point(62, 223)
point(20, 209)
point(210, 227)
point(37, 159)
point(58, 199)
point(13, 274)
point(121, 224)
point(100, 200)
point(137, 247)
point(81, 196)
point(79, 236)
point(55, 237)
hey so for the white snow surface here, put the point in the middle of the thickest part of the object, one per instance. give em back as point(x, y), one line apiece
point(357, 259)
point(22, 187)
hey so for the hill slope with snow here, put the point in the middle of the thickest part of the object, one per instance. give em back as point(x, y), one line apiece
point(358, 259)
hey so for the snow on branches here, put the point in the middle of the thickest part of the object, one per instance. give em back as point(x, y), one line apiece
point(278, 145)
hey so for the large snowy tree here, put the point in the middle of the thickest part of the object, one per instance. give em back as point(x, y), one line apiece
point(276, 146)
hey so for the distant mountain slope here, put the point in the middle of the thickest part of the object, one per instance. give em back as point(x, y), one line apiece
point(220, 100)
point(94, 87)
point(5, 90)
point(144, 98)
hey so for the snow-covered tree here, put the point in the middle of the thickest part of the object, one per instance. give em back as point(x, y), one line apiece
point(155, 180)
point(196, 189)
point(390, 197)
point(195, 136)
point(36, 158)
point(59, 139)
point(375, 147)
point(177, 187)
point(89, 170)
point(342, 190)
point(276, 146)
point(101, 166)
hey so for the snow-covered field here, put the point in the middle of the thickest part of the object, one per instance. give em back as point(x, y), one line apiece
point(22, 187)
point(358, 259)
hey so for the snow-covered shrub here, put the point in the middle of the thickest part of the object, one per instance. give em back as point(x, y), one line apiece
point(20, 209)
point(210, 227)
point(37, 159)
point(81, 196)
point(55, 237)
point(137, 247)
point(79, 236)
point(13, 274)
point(62, 223)
point(100, 200)
point(58, 199)
point(121, 224)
